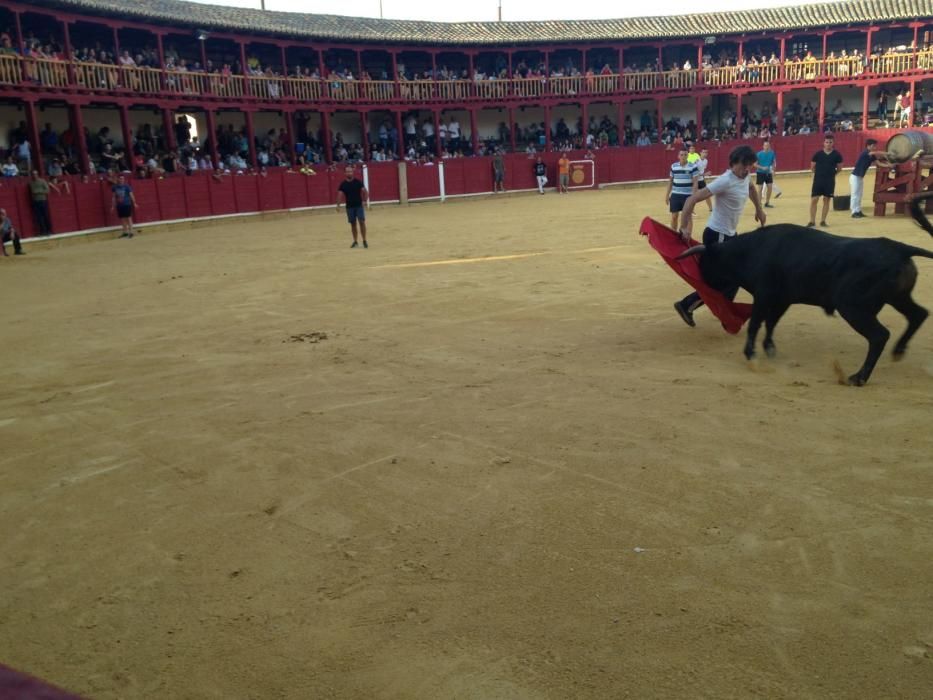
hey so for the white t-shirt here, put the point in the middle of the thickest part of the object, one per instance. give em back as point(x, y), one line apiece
point(701, 166)
point(731, 193)
point(454, 129)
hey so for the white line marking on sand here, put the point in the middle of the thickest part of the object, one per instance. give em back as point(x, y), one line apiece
point(493, 258)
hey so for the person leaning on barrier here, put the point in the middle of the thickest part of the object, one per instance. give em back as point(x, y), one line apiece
point(39, 194)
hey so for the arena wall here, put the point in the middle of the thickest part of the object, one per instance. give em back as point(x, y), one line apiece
point(87, 206)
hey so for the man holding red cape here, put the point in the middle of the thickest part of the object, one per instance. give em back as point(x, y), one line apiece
point(731, 191)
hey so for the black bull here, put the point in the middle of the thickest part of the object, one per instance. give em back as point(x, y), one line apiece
point(786, 264)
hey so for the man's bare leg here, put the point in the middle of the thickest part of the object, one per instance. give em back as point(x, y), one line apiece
point(813, 201)
point(825, 211)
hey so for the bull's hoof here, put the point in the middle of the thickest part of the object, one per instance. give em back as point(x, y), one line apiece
point(898, 354)
point(856, 380)
point(749, 354)
point(770, 350)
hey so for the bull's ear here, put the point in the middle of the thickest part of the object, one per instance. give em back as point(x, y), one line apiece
point(695, 250)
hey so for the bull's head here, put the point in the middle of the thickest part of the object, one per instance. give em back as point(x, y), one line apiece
point(695, 250)
point(716, 269)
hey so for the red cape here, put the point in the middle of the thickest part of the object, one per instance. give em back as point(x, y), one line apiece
point(666, 241)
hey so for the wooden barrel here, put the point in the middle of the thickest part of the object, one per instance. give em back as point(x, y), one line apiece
point(904, 146)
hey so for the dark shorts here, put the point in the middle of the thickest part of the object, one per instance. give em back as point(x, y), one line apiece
point(498, 175)
point(677, 202)
point(355, 214)
point(765, 178)
point(124, 211)
point(701, 184)
point(823, 188)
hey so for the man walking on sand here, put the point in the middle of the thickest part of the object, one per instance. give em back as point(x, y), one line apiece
point(353, 193)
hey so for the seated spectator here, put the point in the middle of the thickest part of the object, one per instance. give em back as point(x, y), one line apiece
point(56, 173)
point(9, 168)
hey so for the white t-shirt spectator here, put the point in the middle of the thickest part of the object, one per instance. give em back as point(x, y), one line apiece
point(428, 129)
point(453, 128)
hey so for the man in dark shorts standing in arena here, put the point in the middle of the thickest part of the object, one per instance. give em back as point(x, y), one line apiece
point(353, 193)
point(824, 166)
point(681, 184)
point(767, 162)
point(124, 203)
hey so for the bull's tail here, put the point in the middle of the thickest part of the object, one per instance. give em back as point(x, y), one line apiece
point(917, 212)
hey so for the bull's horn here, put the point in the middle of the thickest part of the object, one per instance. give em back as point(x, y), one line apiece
point(695, 250)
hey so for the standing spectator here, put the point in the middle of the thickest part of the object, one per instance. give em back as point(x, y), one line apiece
point(824, 166)
point(9, 234)
point(56, 172)
point(563, 174)
point(767, 163)
point(498, 172)
point(882, 112)
point(353, 193)
point(540, 171)
point(24, 155)
point(39, 194)
point(857, 178)
point(732, 189)
point(898, 106)
point(124, 202)
point(681, 184)
point(702, 166)
point(906, 111)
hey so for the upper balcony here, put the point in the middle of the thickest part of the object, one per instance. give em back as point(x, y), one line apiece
point(52, 77)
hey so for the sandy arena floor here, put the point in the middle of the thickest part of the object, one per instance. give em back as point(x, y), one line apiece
point(514, 477)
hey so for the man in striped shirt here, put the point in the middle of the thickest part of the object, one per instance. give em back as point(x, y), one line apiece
point(681, 184)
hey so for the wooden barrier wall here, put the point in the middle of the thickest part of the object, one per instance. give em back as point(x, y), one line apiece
point(200, 195)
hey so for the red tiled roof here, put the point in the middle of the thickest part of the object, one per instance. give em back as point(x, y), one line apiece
point(359, 29)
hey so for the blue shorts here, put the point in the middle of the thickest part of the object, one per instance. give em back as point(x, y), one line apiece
point(355, 214)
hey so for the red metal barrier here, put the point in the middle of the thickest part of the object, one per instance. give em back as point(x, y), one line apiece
point(171, 191)
point(423, 182)
point(198, 195)
point(271, 197)
point(246, 191)
point(87, 205)
point(383, 182)
point(294, 193)
point(223, 195)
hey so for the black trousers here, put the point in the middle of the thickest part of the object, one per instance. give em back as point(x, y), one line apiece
point(692, 301)
point(41, 211)
point(12, 235)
